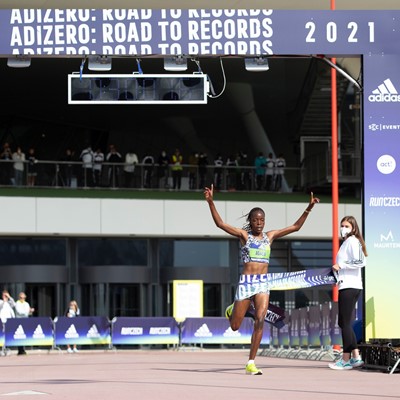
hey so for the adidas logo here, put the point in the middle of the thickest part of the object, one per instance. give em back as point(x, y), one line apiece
point(230, 333)
point(93, 332)
point(71, 332)
point(19, 333)
point(385, 93)
point(203, 331)
point(38, 333)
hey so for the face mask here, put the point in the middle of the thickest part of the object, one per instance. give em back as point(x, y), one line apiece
point(344, 230)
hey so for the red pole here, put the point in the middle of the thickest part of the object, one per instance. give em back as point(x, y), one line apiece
point(335, 174)
point(335, 177)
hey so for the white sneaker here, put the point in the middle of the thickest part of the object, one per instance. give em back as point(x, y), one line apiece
point(69, 350)
point(341, 365)
point(76, 350)
point(356, 362)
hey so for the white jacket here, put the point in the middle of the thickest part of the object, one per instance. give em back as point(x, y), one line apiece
point(350, 259)
point(7, 309)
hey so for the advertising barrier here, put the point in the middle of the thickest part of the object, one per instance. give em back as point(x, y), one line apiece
point(82, 330)
point(2, 341)
point(33, 331)
point(216, 330)
point(131, 330)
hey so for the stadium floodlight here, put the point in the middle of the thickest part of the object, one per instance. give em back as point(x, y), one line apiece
point(256, 64)
point(138, 89)
point(99, 63)
point(175, 64)
point(19, 62)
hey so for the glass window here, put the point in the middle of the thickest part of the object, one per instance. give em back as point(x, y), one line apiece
point(194, 253)
point(112, 252)
point(307, 255)
point(23, 251)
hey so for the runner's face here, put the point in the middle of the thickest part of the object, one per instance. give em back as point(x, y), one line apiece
point(257, 222)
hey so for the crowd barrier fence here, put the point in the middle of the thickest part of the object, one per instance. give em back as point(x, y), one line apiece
point(311, 329)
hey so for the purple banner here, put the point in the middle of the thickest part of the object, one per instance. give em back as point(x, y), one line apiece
point(283, 333)
point(2, 339)
point(382, 192)
point(294, 329)
point(82, 330)
point(326, 324)
point(216, 330)
point(336, 333)
point(300, 279)
point(33, 331)
point(149, 330)
point(197, 32)
point(314, 326)
point(303, 331)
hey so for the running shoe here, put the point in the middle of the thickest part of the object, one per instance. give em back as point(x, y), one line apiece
point(228, 311)
point(356, 362)
point(251, 369)
point(341, 365)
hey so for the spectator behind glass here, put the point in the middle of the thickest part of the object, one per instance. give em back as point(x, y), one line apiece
point(259, 164)
point(115, 158)
point(32, 167)
point(7, 305)
point(218, 171)
point(131, 160)
point(280, 164)
point(176, 167)
point(22, 310)
point(269, 172)
point(19, 160)
point(72, 312)
point(98, 158)
point(148, 169)
point(87, 157)
point(6, 165)
point(163, 165)
point(68, 167)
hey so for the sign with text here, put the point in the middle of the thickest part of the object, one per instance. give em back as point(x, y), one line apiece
point(187, 299)
point(197, 31)
point(382, 193)
point(140, 331)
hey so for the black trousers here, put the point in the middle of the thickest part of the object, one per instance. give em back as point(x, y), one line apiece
point(347, 302)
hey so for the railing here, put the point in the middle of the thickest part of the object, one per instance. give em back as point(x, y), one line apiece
point(68, 174)
point(317, 169)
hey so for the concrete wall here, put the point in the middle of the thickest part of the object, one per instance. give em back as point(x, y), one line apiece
point(30, 216)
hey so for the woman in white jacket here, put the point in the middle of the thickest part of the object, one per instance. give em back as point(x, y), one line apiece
point(350, 260)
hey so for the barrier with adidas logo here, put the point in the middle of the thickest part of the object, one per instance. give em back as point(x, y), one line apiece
point(314, 326)
point(81, 330)
point(36, 331)
point(216, 330)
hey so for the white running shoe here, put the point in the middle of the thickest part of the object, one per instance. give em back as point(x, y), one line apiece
point(341, 365)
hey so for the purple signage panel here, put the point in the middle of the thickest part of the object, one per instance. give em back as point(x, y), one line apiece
point(2, 341)
point(336, 333)
point(148, 330)
point(33, 331)
point(283, 333)
point(215, 330)
point(82, 330)
point(314, 326)
point(303, 326)
point(52, 32)
point(326, 324)
point(294, 329)
point(382, 193)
